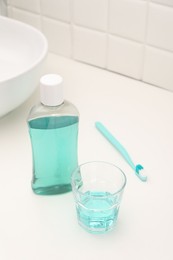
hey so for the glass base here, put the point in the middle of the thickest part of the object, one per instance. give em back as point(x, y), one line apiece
point(97, 230)
point(52, 190)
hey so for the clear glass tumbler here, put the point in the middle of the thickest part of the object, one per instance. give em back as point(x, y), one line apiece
point(98, 187)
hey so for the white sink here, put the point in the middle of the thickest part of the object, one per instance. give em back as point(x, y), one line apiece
point(22, 54)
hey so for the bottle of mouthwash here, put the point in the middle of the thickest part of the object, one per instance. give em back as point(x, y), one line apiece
point(53, 128)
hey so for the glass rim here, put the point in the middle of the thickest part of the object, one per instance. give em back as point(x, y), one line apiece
point(104, 162)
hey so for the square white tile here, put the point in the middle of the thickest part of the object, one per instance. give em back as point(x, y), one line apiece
point(31, 5)
point(89, 46)
point(128, 18)
point(158, 66)
point(160, 26)
point(125, 57)
point(10, 11)
point(164, 2)
point(26, 17)
point(91, 13)
point(58, 35)
point(58, 9)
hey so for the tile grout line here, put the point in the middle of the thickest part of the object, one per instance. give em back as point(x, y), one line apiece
point(145, 40)
point(144, 44)
point(161, 4)
point(91, 29)
point(24, 9)
point(71, 6)
point(107, 36)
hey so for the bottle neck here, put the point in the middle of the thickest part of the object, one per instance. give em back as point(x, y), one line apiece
point(52, 107)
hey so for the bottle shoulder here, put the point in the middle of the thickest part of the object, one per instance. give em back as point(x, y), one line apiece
point(65, 109)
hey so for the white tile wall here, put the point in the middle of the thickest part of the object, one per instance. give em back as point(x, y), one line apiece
point(160, 27)
point(90, 46)
point(27, 17)
point(125, 56)
point(3, 7)
point(158, 68)
point(60, 10)
point(164, 2)
point(128, 18)
point(91, 13)
point(31, 5)
point(58, 35)
point(131, 37)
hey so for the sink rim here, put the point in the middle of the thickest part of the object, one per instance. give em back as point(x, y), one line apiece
point(42, 55)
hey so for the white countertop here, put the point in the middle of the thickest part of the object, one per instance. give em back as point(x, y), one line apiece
point(36, 227)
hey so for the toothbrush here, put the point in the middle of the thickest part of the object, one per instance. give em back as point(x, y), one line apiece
point(102, 129)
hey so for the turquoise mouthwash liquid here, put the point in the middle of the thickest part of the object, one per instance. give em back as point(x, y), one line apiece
point(54, 148)
point(97, 212)
point(53, 128)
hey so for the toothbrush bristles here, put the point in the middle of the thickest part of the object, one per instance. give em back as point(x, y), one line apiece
point(139, 167)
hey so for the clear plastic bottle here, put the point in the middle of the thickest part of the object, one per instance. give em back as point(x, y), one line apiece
point(53, 128)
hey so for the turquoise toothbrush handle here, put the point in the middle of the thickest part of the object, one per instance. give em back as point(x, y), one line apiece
point(121, 149)
point(115, 143)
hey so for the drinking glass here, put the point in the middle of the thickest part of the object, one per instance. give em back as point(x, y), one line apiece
point(98, 188)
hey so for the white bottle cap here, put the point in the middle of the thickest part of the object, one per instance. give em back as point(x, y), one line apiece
point(51, 90)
